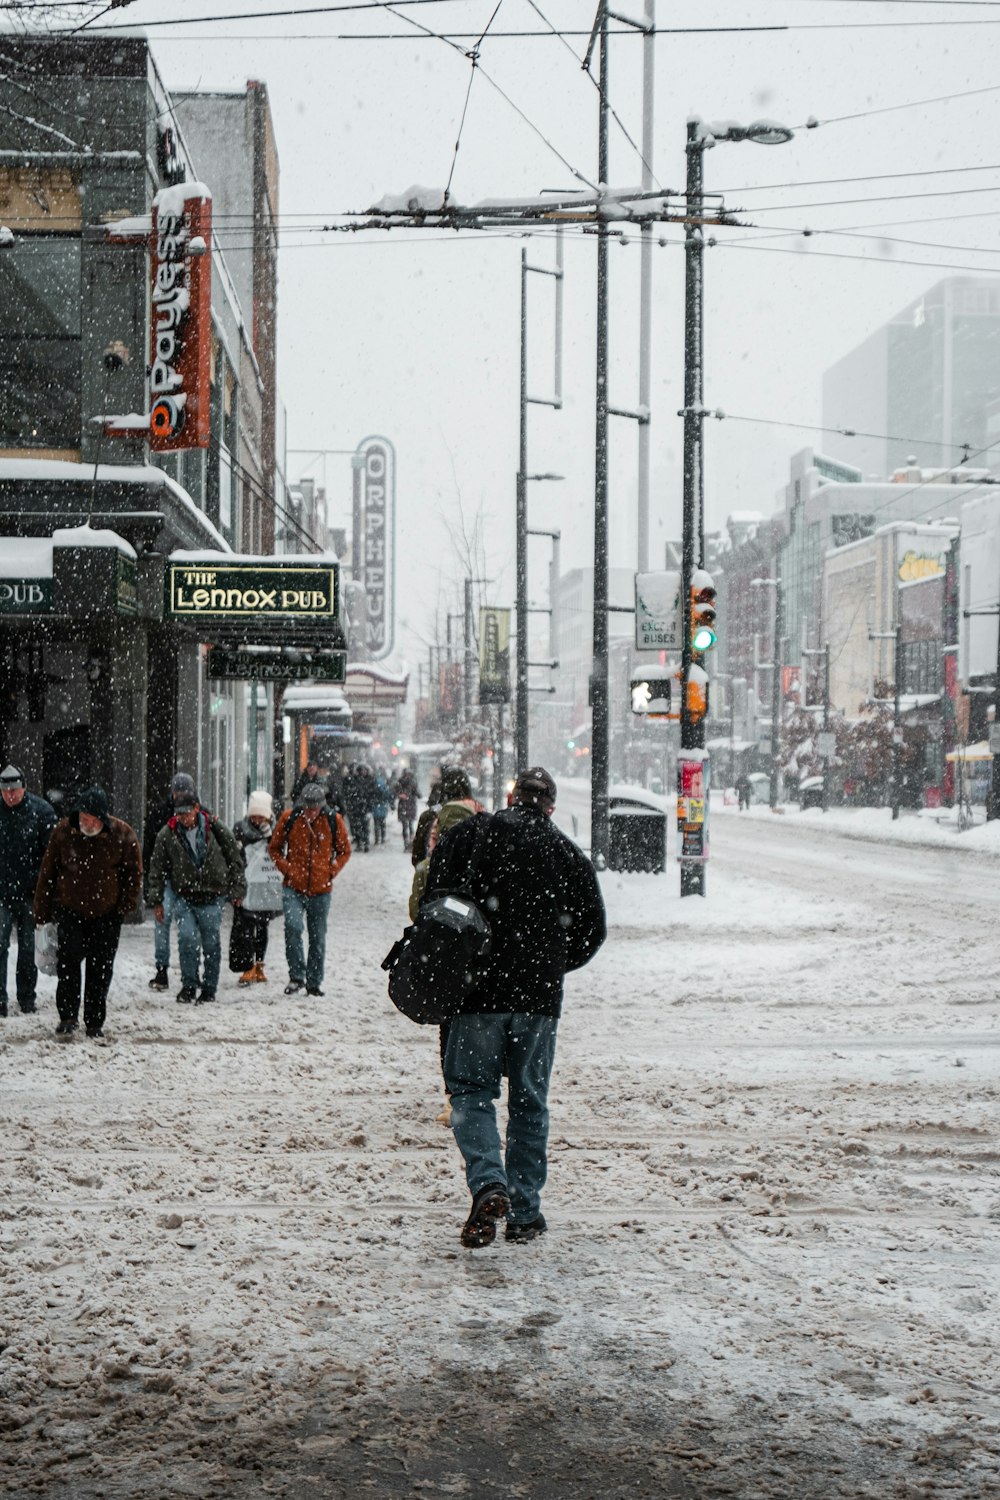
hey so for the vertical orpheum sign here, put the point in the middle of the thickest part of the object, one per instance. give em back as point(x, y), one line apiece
point(181, 318)
point(378, 476)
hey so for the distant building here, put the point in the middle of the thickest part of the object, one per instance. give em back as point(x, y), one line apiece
point(924, 383)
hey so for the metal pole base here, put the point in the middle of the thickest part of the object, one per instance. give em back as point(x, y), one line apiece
point(692, 880)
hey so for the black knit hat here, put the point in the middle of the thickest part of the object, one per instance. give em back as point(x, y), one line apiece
point(455, 784)
point(94, 801)
point(535, 788)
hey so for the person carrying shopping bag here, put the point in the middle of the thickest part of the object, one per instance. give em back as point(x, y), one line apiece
point(263, 900)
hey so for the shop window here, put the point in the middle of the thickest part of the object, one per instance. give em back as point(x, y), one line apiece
point(40, 359)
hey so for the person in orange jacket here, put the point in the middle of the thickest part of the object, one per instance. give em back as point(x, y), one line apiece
point(310, 847)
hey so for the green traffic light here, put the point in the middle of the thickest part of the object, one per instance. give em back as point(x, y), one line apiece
point(703, 638)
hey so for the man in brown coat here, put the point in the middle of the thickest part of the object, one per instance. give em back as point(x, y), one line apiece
point(91, 878)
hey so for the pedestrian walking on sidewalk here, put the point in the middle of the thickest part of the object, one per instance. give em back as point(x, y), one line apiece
point(89, 882)
point(252, 832)
point(407, 793)
point(310, 846)
point(203, 862)
point(381, 801)
point(182, 785)
point(26, 824)
point(546, 914)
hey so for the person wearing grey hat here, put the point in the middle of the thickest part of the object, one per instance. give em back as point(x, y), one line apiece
point(26, 824)
point(181, 785)
point(90, 881)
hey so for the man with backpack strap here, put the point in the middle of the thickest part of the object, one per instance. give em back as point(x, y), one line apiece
point(540, 895)
point(201, 859)
point(310, 847)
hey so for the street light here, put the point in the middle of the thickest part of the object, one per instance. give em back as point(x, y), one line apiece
point(700, 138)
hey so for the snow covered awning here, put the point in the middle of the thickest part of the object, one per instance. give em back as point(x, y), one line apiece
point(965, 753)
point(138, 501)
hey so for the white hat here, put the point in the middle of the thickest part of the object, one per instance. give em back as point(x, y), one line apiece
point(11, 777)
point(260, 805)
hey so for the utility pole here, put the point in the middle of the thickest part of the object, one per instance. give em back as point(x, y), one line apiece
point(823, 651)
point(521, 702)
point(470, 660)
point(896, 636)
point(993, 800)
point(467, 669)
point(692, 732)
point(776, 668)
point(599, 831)
point(646, 285)
point(826, 724)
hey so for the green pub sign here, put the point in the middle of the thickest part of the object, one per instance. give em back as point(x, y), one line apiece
point(257, 591)
point(25, 596)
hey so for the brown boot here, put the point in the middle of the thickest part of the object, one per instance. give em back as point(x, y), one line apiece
point(258, 973)
point(249, 976)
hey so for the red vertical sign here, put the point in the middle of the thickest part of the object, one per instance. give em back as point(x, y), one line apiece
point(181, 318)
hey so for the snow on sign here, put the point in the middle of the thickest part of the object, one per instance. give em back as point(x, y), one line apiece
point(658, 611)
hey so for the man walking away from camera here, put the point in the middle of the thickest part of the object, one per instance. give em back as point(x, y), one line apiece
point(90, 880)
point(310, 846)
point(26, 824)
point(546, 914)
point(203, 862)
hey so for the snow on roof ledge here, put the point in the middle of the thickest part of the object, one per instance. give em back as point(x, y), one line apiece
point(90, 536)
point(229, 558)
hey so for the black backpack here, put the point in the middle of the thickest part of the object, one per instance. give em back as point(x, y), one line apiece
point(437, 963)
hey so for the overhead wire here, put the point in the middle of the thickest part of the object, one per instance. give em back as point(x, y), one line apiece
point(473, 56)
point(600, 93)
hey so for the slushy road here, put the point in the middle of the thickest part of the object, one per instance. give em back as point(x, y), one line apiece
point(229, 1239)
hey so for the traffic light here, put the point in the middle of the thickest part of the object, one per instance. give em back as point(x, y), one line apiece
point(703, 632)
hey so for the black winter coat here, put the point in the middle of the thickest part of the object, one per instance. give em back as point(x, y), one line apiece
point(25, 831)
point(541, 897)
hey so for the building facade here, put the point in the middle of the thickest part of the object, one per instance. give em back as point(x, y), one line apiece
point(98, 679)
point(928, 380)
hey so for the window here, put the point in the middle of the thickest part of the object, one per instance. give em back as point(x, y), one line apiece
point(40, 365)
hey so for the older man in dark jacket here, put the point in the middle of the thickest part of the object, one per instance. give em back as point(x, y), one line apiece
point(546, 914)
point(26, 824)
point(203, 862)
point(90, 880)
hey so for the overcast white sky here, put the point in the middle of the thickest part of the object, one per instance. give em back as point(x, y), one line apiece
point(417, 338)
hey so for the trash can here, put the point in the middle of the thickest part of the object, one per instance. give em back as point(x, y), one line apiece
point(637, 837)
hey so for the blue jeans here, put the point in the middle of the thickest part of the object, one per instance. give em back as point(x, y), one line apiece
point(161, 930)
point(305, 913)
point(478, 1049)
point(19, 916)
point(198, 928)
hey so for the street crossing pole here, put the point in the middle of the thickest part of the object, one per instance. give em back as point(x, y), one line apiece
point(692, 732)
point(599, 831)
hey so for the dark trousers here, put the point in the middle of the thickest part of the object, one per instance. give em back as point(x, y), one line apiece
point(94, 941)
point(259, 922)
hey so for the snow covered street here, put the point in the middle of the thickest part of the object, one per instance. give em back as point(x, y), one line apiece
point(230, 1237)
